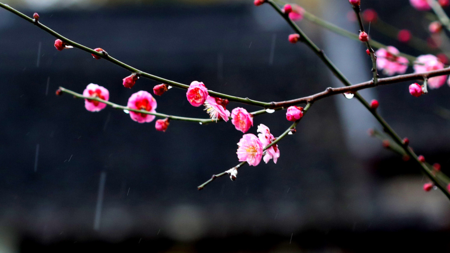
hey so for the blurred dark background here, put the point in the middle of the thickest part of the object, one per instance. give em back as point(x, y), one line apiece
point(75, 180)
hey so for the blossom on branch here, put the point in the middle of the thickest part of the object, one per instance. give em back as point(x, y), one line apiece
point(142, 100)
point(241, 119)
point(162, 124)
point(390, 62)
point(425, 63)
point(97, 91)
point(250, 149)
point(421, 5)
point(130, 81)
point(197, 93)
point(266, 139)
point(294, 113)
point(296, 13)
point(216, 108)
point(415, 90)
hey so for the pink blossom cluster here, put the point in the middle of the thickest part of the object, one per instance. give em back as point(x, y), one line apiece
point(390, 61)
point(251, 148)
point(430, 62)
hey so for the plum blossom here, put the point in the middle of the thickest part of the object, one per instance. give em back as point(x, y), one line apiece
point(425, 63)
point(216, 108)
point(241, 119)
point(142, 100)
point(250, 149)
point(390, 62)
point(197, 93)
point(421, 5)
point(416, 90)
point(267, 138)
point(94, 90)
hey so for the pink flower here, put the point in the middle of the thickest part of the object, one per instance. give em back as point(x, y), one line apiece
point(250, 149)
point(162, 124)
point(197, 93)
point(94, 90)
point(293, 38)
point(296, 13)
point(266, 138)
point(130, 81)
point(416, 90)
point(421, 5)
point(390, 62)
point(241, 119)
point(427, 63)
point(142, 100)
point(216, 108)
point(363, 36)
point(294, 113)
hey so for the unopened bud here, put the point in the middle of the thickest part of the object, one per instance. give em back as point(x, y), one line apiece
point(363, 36)
point(415, 90)
point(437, 167)
point(58, 92)
point(435, 27)
point(374, 104)
point(427, 187)
point(404, 36)
point(386, 143)
point(355, 2)
point(367, 51)
point(287, 9)
point(160, 89)
point(258, 2)
point(59, 45)
point(36, 17)
point(294, 38)
point(98, 50)
point(406, 141)
point(421, 158)
point(130, 81)
point(370, 15)
point(162, 124)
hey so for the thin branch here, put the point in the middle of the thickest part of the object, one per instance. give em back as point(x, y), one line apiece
point(141, 73)
point(440, 13)
point(357, 10)
point(387, 128)
point(279, 138)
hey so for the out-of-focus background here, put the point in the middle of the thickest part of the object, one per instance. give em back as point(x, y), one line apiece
point(75, 180)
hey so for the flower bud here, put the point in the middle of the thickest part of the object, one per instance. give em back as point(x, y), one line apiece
point(370, 15)
point(294, 113)
point(355, 2)
point(363, 36)
point(160, 89)
point(59, 45)
point(293, 38)
point(36, 17)
point(374, 104)
point(130, 81)
point(444, 3)
point(406, 141)
point(258, 2)
point(287, 9)
point(58, 92)
point(416, 90)
point(386, 143)
point(404, 36)
point(162, 124)
point(435, 27)
point(421, 158)
point(97, 50)
point(367, 51)
point(427, 187)
point(437, 167)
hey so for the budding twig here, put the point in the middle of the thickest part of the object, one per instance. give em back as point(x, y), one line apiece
point(440, 13)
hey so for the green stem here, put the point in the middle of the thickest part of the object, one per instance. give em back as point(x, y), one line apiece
point(346, 82)
point(109, 58)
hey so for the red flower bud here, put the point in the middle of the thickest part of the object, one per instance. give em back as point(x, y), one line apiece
point(374, 104)
point(406, 141)
point(258, 2)
point(386, 143)
point(293, 38)
point(162, 124)
point(421, 158)
point(367, 51)
point(444, 3)
point(427, 187)
point(287, 9)
point(404, 36)
point(97, 50)
point(160, 89)
point(130, 81)
point(59, 45)
point(437, 167)
point(355, 2)
point(363, 36)
point(36, 17)
point(58, 92)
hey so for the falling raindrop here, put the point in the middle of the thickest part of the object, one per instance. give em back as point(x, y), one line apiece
point(270, 110)
point(126, 111)
point(98, 208)
point(349, 95)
